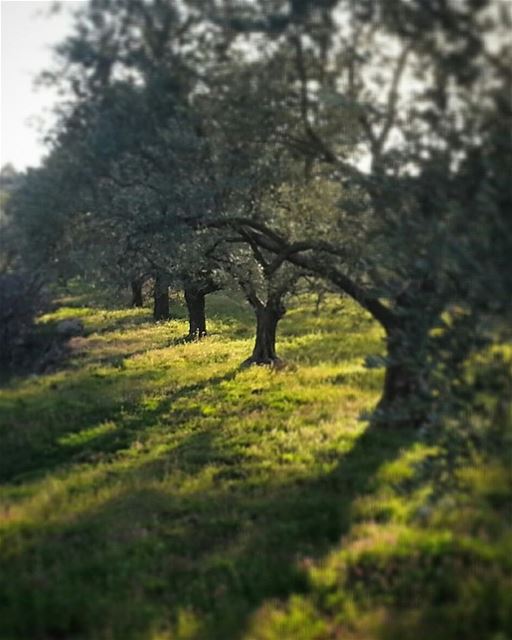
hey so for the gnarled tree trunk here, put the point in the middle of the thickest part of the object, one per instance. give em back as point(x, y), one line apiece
point(405, 395)
point(161, 297)
point(400, 380)
point(195, 300)
point(267, 319)
point(136, 286)
point(196, 289)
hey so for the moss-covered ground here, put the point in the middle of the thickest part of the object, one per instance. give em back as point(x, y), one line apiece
point(152, 490)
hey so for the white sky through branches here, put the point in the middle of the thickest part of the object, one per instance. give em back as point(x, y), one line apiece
point(28, 32)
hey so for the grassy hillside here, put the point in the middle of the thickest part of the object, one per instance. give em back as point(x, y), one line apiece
point(152, 490)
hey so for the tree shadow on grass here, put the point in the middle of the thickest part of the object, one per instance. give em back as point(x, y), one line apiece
point(198, 538)
point(115, 359)
point(27, 455)
point(209, 551)
point(47, 351)
point(327, 347)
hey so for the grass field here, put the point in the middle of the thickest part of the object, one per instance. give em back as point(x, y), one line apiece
point(150, 489)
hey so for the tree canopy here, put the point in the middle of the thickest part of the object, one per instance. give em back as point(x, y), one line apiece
point(367, 144)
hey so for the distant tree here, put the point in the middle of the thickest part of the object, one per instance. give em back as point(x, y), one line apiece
point(10, 179)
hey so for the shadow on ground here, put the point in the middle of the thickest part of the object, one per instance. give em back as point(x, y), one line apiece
point(149, 557)
point(192, 537)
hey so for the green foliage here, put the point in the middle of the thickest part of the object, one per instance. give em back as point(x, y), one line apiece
point(151, 489)
point(368, 145)
point(195, 500)
point(21, 300)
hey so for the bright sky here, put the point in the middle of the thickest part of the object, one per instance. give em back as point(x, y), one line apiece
point(27, 35)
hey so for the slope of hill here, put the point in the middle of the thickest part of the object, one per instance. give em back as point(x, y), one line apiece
point(153, 490)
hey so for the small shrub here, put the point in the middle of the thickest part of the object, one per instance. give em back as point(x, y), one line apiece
point(21, 299)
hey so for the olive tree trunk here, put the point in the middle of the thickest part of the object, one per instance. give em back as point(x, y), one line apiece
point(267, 319)
point(406, 397)
point(195, 301)
point(161, 297)
point(136, 286)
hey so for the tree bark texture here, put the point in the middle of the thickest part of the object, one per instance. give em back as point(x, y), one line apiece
point(404, 400)
point(195, 300)
point(267, 319)
point(161, 297)
point(136, 285)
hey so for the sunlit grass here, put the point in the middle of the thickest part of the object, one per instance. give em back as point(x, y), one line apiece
point(153, 490)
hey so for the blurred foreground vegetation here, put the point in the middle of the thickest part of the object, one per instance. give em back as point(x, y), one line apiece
point(153, 490)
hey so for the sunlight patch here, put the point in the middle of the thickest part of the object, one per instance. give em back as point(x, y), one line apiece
point(86, 435)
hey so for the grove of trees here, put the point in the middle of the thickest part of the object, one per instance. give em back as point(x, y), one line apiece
point(367, 144)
